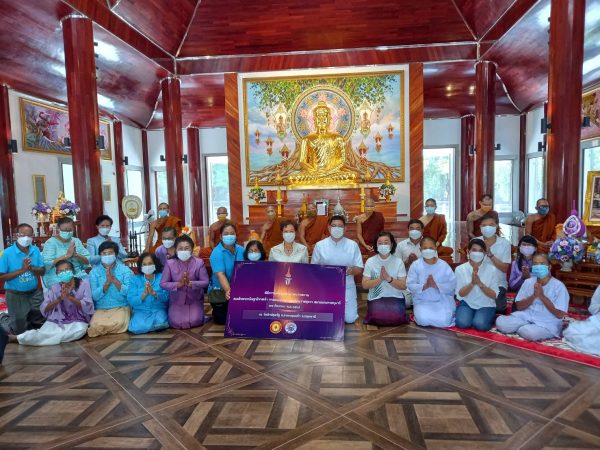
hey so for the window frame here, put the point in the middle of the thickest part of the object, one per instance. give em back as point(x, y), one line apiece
point(529, 157)
point(206, 198)
point(514, 187)
point(456, 188)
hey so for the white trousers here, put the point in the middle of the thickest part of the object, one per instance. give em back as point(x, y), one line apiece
point(53, 334)
point(584, 335)
point(351, 309)
point(440, 314)
point(524, 328)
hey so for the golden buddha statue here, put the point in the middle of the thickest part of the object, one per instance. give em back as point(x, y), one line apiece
point(322, 154)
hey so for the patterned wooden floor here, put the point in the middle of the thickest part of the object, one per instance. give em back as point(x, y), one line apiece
point(402, 387)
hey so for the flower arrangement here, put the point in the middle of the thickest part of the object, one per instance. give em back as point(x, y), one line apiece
point(68, 208)
point(257, 193)
point(566, 249)
point(40, 208)
point(387, 189)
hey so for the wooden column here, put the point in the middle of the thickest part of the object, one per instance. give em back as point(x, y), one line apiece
point(146, 162)
point(416, 118)
point(171, 97)
point(195, 172)
point(467, 166)
point(83, 120)
point(232, 122)
point(522, 161)
point(567, 22)
point(120, 172)
point(8, 206)
point(485, 124)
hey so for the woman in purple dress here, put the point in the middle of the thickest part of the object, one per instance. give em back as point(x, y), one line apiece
point(521, 267)
point(185, 277)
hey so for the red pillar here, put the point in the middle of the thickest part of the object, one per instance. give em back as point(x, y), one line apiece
point(120, 171)
point(485, 122)
point(522, 160)
point(195, 181)
point(567, 22)
point(83, 120)
point(171, 98)
point(467, 161)
point(8, 206)
point(146, 162)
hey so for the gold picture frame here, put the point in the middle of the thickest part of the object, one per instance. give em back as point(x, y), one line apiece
point(590, 108)
point(591, 200)
point(40, 193)
point(107, 192)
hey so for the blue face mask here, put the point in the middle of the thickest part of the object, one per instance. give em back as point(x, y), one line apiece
point(430, 209)
point(229, 239)
point(163, 213)
point(540, 270)
point(254, 256)
point(543, 211)
point(65, 276)
point(107, 260)
point(66, 235)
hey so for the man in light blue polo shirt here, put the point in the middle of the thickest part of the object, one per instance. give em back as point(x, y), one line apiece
point(21, 265)
point(104, 223)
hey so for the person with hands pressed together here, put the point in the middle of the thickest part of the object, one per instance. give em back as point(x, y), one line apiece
point(520, 269)
point(409, 250)
point(474, 218)
point(166, 250)
point(64, 247)
point(104, 224)
point(156, 227)
point(110, 282)
point(499, 253)
point(540, 305)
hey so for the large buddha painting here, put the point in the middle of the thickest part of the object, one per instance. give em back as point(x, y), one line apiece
point(332, 131)
point(590, 108)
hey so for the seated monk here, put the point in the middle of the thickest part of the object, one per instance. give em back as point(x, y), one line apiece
point(541, 225)
point(436, 228)
point(214, 231)
point(156, 227)
point(313, 228)
point(368, 226)
point(271, 231)
point(474, 217)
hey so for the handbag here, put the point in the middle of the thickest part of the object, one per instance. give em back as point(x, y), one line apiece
point(217, 297)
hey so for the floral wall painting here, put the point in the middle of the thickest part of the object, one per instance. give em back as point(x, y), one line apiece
point(366, 109)
point(590, 107)
point(45, 127)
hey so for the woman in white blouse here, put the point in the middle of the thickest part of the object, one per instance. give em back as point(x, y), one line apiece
point(477, 286)
point(289, 250)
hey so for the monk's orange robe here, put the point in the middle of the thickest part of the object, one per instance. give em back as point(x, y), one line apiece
point(371, 228)
point(437, 229)
point(316, 230)
point(544, 229)
point(171, 221)
point(273, 236)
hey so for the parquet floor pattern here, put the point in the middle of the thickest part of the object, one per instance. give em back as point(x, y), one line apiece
point(389, 388)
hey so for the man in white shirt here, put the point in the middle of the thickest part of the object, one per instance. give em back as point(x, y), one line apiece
point(337, 250)
point(409, 250)
point(499, 253)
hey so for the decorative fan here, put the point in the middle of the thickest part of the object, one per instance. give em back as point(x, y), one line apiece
point(131, 205)
point(518, 218)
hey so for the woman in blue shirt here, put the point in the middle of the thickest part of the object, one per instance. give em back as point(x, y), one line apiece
point(149, 302)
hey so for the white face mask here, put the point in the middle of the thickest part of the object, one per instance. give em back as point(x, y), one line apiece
point(428, 253)
point(384, 249)
point(168, 243)
point(527, 250)
point(184, 255)
point(24, 241)
point(148, 270)
point(476, 256)
point(289, 236)
point(488, 231)
point(253, 256)
point(415, 234)
point(337, 232)
point(104, 231)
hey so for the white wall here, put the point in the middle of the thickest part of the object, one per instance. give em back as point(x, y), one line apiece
point(441, 132)
point(533, 129)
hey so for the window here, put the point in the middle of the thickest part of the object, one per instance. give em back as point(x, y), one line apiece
point(535, 181)
point(503, 185)
point(591, 161)
point(439, 180)
point(135, 186)
point(68, 186)
point(217, 180)
point(162, 193)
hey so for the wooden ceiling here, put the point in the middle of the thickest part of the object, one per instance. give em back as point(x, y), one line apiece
point(141, 41)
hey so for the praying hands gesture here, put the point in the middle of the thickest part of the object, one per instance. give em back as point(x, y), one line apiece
point(71, 250)
point(525, 271)
point(185, 281)
point(110, 279)
point(148, 291)
point(475, 280)
point(430, 283)
point(384, 275)
point(26, 265)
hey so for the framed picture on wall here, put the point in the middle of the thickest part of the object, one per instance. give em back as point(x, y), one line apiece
point(591, 203)
point(44, 128)
point(39, 188)
point(590, 109)
point(107, 192)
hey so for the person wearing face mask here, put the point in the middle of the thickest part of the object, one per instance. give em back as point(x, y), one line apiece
point(435, 226)
point(148, 301)
point(584, 335)
point(64, 247)
point(104, 224)
point(499, 253)
point(313, 228)
point(271, 232)
point(255, 251)
point(477, 286)
point(67, 307)
point(385, 278)
point(222, 260)
point(474, 218)
point(520, 269)
point(214, 231)
point(542, 225)
point(110, 283)
point(289, 250)
point(337, 250)
point(540, 305)
point(432, 282)
point(368, 226)
point(409, 250)
point(156, 228)
point(21, 265)
point(185, 277)
point(166, 250)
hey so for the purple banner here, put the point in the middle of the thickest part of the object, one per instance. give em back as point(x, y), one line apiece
point(271, 300)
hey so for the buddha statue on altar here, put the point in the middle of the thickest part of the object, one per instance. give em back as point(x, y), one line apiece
point(322, 154)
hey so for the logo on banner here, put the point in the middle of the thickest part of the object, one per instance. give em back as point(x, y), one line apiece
point(275, 327)
point(290, 327)
point(288, 277)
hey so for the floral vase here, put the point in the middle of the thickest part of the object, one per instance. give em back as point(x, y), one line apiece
point(388, 198)
point(257, 201)
point(566, 266)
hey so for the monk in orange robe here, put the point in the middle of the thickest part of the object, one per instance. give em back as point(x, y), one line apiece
point(271, 231)
point(474, 217)
point(313, 228)
point(436, 227)
point(164, 220)
point(214, 230)
point(368, 226)
point(542, 225)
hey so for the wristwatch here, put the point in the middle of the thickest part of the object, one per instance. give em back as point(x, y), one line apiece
point(391, 280)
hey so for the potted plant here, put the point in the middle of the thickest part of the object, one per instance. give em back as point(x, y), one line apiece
point(566, 250)
point(386, 190)
point(68, 208)
point(257, 193)
point(39, 209)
